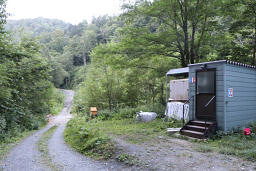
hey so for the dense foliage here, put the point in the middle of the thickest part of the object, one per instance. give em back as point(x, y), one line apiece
point(26, 93)
point(35, 27)
point(117, 62)
point(158, 35)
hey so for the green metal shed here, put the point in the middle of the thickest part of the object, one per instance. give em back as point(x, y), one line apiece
point(222, 96)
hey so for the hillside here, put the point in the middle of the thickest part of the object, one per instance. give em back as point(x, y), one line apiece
point(36, 26)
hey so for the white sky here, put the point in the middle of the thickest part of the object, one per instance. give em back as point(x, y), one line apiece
point(72, 11)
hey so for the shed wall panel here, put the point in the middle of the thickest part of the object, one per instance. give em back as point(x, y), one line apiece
point(241, 108)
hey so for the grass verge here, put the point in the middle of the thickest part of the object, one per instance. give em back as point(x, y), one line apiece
point(235, 144)
point(94, 138)
point(43, 148)
point(132, 131)
point(88, 140)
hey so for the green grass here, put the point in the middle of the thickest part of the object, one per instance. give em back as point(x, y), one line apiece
point(88, 140)
point(9, 143)
point(127, 159)
point(235, 144)
point(132, 131)
point(203, 148)
point(43, 148)
point(94, 138)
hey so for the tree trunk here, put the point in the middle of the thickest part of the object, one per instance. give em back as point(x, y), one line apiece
point(192, 48)
point(185, 30)
point(183, 61)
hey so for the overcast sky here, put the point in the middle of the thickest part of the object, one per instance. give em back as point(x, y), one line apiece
point(72, 11)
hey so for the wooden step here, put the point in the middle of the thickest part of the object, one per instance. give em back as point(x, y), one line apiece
point(196, 128)
point(201, 123)
point(194, 134)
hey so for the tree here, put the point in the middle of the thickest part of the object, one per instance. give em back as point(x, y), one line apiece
point(243, 30)
point(179, 26)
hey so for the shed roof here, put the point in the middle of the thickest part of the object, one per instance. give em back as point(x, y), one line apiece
point(182, 71)
point(227, 62)
point(210, 62)
point(178, 71)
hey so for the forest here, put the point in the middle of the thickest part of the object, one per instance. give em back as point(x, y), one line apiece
point(115, 62)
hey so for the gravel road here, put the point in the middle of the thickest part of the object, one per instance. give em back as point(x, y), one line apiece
point(67, 158)
point(26, 157)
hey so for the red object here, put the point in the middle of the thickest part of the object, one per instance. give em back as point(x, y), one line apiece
point(247, 131)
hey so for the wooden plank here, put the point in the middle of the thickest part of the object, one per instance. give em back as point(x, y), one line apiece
point(240, 74)
point(240, 84)
point(238, 100)
point(238, 115)
point(241, 108)
point(240, 78)
point(239, 69)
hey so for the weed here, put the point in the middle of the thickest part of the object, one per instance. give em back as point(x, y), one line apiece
point(92, 138)
point(88, 140)
point(234, 143)
point(204, 148)
point(126, 158)
point(43, 148)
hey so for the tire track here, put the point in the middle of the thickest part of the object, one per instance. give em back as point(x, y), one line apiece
point(69, 159)
point(26, 156)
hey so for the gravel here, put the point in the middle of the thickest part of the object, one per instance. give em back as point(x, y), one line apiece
point(25, 156)
point(66, 157)
point(169, 153)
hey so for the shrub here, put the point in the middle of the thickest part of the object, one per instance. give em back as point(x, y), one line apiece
point(128, 113)
point(87, 140)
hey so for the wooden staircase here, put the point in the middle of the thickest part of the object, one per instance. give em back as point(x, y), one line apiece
point(199, 129)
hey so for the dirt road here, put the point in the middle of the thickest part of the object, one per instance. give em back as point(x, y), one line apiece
point(26, 157)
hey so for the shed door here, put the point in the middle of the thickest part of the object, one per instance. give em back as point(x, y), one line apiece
point(205, 95)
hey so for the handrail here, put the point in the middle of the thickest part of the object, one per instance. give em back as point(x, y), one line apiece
point(183, 121)
point(209, 102)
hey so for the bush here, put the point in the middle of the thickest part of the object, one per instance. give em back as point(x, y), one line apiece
point(128, 113)
point(56, 102)
point(88, 141)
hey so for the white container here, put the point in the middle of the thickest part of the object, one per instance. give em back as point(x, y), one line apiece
point(145, 116)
